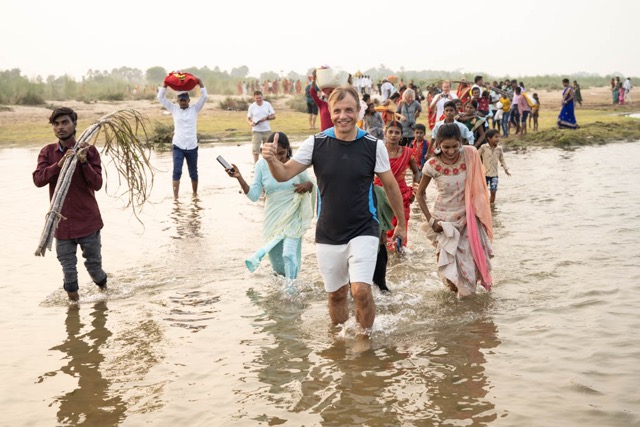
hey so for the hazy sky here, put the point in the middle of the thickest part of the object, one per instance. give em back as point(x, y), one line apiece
point(506, 37)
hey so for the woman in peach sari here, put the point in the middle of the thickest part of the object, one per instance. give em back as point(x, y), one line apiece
point(459, 226)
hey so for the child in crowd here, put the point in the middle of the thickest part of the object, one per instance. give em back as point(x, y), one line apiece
point(494, 107)
point(535, 111)
point(474, 122)
point(481, 100)
point(459, 108)
point(524, 109)
point(491, 154)
point(514, 113)
point(419, 145)
point(506, 107)
point(450, 116)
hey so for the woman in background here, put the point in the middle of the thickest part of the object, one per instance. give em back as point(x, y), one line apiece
point(567, 116)
point(372, 121)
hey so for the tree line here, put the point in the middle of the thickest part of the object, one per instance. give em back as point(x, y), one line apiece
point(132, 83)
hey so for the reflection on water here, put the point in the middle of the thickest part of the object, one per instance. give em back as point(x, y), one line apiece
point(91, 403)
point(187, 218)
point(102, 362)
point(458, 384)
point(192, 310)
point(438, 376)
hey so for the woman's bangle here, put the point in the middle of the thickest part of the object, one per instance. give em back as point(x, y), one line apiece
point(432, 220)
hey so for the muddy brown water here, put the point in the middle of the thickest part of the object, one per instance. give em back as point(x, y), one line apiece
point(187, 335)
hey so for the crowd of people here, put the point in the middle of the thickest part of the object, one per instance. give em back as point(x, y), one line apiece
point(620, 92)
point(369, 146)
point(283, 86)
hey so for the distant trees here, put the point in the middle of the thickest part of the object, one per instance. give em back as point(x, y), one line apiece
point(132, 83)
point(16, 89)
point(128, 74)
point(269, 75)
point(240, 72)
point(155, 74)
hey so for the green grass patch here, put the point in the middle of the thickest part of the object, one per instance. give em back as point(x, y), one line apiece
point(595, 127)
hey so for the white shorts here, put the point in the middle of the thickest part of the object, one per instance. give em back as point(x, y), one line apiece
point(349, 263)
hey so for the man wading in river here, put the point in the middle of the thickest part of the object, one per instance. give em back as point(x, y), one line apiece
point(185, 134)
point(81, 221)
point(345, 160)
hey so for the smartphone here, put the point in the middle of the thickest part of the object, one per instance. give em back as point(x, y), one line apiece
point(225, 164)
point(399, 245)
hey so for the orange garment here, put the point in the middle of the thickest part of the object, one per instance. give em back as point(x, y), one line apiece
point(432, 117)
point(464, 92)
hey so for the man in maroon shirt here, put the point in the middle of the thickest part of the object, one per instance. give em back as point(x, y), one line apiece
point(81, 221)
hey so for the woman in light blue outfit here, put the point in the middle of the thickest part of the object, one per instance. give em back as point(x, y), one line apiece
point(289, 209)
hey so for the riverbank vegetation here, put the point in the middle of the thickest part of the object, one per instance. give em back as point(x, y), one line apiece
point(126, 83)
point(223, 119)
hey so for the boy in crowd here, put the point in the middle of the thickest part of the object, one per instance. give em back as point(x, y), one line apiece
point(450, 113)
point(474, 122)
point(482, 100)
point(491, 154)
point(506, 108)
point(419, 144)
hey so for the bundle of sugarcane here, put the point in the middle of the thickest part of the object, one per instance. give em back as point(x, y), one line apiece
point(508, 94)
point(125, 141)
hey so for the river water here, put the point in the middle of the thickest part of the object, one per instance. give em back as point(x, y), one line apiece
point(187, 335)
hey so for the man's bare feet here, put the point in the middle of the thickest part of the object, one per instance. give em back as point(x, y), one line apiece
point(73, 296)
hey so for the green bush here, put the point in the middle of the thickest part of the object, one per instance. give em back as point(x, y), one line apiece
point(86, 99)
point(29, 98)
point(111, 96)
point(161, 133)
point(298, 103)
point(235, 104)
point(145, 96)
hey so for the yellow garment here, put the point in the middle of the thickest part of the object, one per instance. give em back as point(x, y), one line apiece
point(529, 100)
point(506, 104)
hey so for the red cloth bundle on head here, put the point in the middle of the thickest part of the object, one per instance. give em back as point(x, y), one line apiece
point(177, 80)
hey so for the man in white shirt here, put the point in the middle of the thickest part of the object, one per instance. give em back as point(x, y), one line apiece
point(258, 116)
point(387, 89)
point(627, 88)
point(440, 99)
point(185, 136)
point(478, 81)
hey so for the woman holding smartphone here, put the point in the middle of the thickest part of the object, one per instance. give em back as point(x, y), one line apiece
point(289, 209)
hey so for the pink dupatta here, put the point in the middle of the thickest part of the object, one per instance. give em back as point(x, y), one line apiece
point(477, 205)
